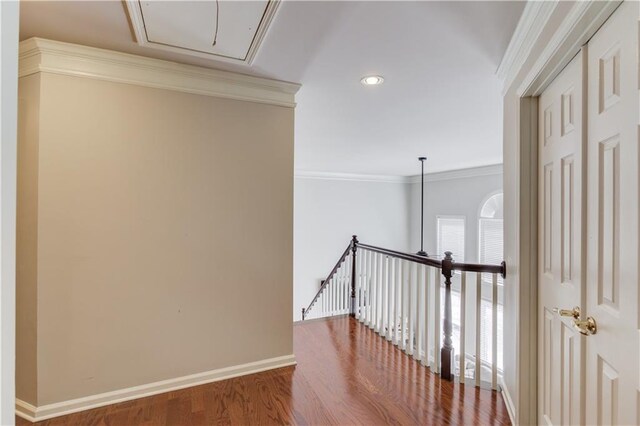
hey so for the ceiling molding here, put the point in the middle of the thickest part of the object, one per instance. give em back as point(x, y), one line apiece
point(495, 169)
point(532, 22)
point(41, 55)
point(302, 174)
point(583, 20)
point(137, 21)
point(473, 172)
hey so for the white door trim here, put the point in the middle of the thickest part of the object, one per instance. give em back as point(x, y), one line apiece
point(579, 25)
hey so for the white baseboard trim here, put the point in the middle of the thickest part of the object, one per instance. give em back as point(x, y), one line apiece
point(34, 414)
point(506, 396)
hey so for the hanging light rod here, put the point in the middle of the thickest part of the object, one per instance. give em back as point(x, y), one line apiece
point(422, 252)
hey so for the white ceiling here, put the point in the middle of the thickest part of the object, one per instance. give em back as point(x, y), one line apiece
point(441, 97)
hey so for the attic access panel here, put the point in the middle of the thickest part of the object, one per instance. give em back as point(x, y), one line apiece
point(189, 27)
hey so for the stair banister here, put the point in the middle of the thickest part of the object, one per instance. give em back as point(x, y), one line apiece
point(446, 353)
point(354, 248)
point(380, 277)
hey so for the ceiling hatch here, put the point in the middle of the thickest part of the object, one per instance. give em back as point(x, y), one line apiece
point(229, 31)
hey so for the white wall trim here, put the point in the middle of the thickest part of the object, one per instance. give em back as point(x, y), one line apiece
point(303, 174)
point(508, 402)
point(530, 26)
point(40, 55)
point(32, 413)
point(576, 29)
point(495, 169)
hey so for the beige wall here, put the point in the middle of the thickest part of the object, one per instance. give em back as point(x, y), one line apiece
point(164, 236)
point(27, 243)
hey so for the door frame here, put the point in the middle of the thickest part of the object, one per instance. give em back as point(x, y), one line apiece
point(577, 26)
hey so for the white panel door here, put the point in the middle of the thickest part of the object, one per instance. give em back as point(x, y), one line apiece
point(612, 256)
point(561, 142)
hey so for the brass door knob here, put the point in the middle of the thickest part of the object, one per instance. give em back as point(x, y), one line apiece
point(586, 327)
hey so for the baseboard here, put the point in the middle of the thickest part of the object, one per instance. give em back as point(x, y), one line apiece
point(506, 396)
point(25, 410)
point(34, 414)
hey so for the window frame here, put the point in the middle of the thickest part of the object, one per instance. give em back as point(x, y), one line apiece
point(464, 243)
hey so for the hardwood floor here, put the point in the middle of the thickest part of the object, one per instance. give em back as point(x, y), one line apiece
point(346, 375)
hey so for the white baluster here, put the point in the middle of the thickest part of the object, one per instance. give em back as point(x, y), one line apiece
point(327, 299)
point(327, 290)
point(412, 308)
point(358, 283)
point(332, 288)
point(437, 343)
point(374, 290)
point(323, 301)
point(494, 333)
point(379, 289)
point(478, 368)
point(426, 300)
point(463, 296)
point(356, 305)
point(343, 286)
point(366, 295)
point(392, 300)
point(369, 285)
point(338, 284)
point(383, 297)
point(363, 281)
point(419, 312)
point(336, 294)
point(347, 289)
point(343, 272)
point(397, 302)
point(405, 303)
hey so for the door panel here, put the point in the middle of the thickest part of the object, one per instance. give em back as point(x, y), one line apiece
point(560, 270)
point(612, 354)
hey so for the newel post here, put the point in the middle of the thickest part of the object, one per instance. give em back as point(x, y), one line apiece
point(354, 248)
point(446, 353)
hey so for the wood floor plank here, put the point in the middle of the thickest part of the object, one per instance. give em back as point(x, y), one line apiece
point(346, 375)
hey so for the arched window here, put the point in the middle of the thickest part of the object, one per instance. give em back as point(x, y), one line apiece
point(491, 252)
point(490, 230)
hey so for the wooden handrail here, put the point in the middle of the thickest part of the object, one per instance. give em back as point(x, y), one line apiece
point(400, 255)
point(429, 261)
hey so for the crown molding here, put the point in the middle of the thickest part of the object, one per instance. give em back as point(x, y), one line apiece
point(583, 20)
point(302, 174)
point(47, 56)
point(535, 16)
point(472, 172)
point(495, 169)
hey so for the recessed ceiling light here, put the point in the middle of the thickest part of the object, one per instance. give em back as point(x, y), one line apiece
point(371, 80)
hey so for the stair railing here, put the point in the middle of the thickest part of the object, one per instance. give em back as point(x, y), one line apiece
point(398, 295)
